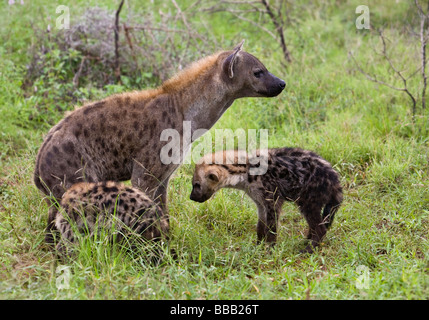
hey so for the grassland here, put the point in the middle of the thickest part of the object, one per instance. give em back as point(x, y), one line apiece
point(365, 130)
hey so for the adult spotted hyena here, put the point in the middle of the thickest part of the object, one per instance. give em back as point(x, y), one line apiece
point(118, 138)
point(111, 206)
point(292, 174)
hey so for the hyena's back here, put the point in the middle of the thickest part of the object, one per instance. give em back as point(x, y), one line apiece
point(306, 178)
point(109, 205)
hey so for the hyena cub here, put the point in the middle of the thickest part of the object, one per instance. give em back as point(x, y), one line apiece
point(292, 174)
point(113, 206)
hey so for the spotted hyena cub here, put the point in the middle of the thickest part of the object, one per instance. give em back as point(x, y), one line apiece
point(112, 206)
point(292, 174)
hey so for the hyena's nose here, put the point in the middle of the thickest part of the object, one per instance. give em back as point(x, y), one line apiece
point(282, 84)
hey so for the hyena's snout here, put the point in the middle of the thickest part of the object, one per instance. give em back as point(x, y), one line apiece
point(198, 194)
point(196, 197)
point(274, 85)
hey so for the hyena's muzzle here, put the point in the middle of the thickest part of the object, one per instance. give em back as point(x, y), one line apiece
point(199, 194)
point(274, 85)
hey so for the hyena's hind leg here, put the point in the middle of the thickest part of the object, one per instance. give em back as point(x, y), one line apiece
point(317, 229)
point(261, 227)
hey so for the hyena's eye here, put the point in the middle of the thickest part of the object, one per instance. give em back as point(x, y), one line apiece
point(213, 177)
point(258, 73)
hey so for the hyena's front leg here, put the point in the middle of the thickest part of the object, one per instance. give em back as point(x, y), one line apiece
point(273, 210)
point(268, 216)
point(157, 191)
point(144, 179)
point(317, 229)
point(160, 195)
point(153, 182)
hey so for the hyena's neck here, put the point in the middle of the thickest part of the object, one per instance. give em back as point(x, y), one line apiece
point(206, 102)
point(235, 165)
point(204, 112)
point(201, 92)
point(236, 177)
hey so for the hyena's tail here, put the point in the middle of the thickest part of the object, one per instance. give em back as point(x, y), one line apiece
point(332, 207)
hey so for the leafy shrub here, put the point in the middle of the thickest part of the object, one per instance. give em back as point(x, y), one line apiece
point(72, 65)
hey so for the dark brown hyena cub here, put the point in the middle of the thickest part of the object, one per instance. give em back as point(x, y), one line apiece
point(292, 174)
point(114, 207)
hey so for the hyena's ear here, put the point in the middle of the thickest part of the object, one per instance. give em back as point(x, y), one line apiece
point(239, 46)
point(228, 65)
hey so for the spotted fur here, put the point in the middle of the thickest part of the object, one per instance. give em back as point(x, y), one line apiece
point(118, 138)
point(293, 174)
point(117, 208)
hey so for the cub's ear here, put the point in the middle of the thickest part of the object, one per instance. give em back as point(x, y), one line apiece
point(228, 65)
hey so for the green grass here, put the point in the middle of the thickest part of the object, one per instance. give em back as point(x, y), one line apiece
point(364, 130)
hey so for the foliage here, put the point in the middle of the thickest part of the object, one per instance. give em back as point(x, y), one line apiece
point(363, 129)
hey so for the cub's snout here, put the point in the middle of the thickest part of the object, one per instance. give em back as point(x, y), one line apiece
point(197, 194)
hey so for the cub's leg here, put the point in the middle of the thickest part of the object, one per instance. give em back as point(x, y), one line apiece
point(261, 227)
point(317, 229)
point(268, 219)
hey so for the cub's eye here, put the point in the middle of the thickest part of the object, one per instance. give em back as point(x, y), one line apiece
point(213, 177)
point(258, 73)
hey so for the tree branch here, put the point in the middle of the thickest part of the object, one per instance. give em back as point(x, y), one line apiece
point(78, 73)
point(243, 8)
point(423, 42)
point(116, 29)
point(279, 29)
point(374, 79)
